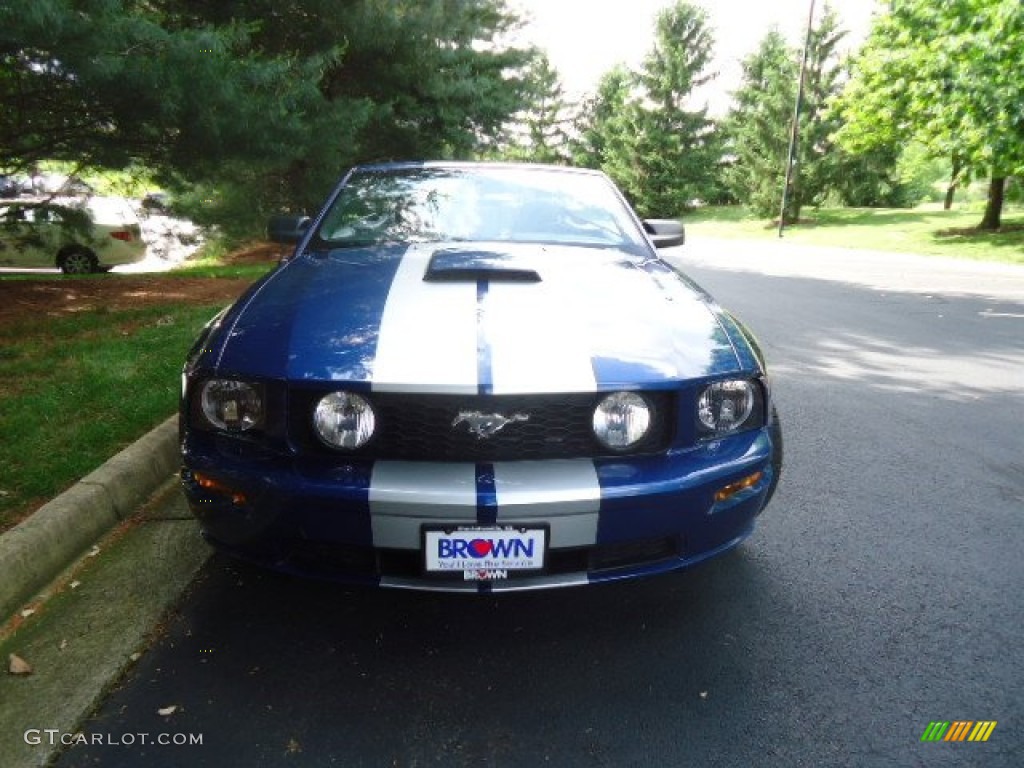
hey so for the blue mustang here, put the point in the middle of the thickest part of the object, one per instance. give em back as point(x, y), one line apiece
point(477, 377)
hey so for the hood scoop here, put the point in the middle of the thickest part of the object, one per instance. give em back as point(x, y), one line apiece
point(464, 266)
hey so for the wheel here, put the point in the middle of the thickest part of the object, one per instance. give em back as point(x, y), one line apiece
point(77, 261)
point(777, 451)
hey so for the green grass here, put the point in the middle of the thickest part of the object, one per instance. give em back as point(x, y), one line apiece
point(75, 390)
point(212, 269)
point(216, 259)
point(926, 230)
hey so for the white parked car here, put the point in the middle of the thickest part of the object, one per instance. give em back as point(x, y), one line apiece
point(76, 236)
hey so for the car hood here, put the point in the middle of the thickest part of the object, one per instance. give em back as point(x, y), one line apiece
point(486, 319)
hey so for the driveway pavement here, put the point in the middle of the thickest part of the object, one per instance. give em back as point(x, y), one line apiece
point(880, 594)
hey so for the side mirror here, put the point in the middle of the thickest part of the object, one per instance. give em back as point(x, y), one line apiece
point(665, 232)
point(287, 228)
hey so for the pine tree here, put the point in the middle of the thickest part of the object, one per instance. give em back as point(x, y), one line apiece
point(674, 158)
point(259, 105)
point(601, 129)
point(757, 126)
point(540, 133)
point(760, 123)
point(819, 159)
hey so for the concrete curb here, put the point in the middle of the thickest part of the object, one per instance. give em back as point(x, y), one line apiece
point(35, 551)
point(89, 632)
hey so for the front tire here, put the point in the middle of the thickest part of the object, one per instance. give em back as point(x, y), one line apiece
point(777, 451)
point(77, 261)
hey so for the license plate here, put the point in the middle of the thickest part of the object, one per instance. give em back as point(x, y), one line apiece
point(484, 550)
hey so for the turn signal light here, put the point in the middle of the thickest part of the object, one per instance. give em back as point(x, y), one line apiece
point(732, 489)
point(207, 483)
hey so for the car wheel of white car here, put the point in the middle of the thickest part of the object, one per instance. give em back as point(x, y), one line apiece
point(77, 261)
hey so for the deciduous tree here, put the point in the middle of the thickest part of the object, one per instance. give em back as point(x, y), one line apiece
point(947, 75)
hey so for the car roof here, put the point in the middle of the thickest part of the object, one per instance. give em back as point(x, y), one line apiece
point(468, 165)
point(102, 209)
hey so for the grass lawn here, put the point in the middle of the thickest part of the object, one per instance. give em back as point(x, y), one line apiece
point(88, 365)
point(927, 230)
point(76, 390)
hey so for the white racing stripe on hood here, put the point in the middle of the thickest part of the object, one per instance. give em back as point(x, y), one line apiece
point(428, 333)
point(538, 341)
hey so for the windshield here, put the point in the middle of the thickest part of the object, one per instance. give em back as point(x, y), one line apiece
point(474, 203)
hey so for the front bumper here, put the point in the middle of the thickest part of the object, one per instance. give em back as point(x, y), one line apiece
point(607, 519)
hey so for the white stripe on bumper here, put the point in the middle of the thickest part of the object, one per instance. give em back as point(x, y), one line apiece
point(564, 493)
point(404, 495)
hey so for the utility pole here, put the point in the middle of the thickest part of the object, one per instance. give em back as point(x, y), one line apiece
point(794, 132)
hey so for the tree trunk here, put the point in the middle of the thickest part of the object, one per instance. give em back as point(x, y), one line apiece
point(950, 192)
point(953, 183)
point(994, 207)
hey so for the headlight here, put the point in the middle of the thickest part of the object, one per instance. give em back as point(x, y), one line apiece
point(728, 406)
point(235, 406)
point(621, 420)
point(344, 420)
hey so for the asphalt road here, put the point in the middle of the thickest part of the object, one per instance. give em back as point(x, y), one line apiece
point(881, 592)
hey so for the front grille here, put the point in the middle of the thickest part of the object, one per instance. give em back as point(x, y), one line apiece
point(423, 428)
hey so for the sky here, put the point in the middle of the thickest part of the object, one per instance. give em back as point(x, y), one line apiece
point(586, 38)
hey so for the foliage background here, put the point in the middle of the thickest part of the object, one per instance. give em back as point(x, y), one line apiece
point(249, 107)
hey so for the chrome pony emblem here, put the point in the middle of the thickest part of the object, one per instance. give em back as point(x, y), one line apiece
point(486, 425)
